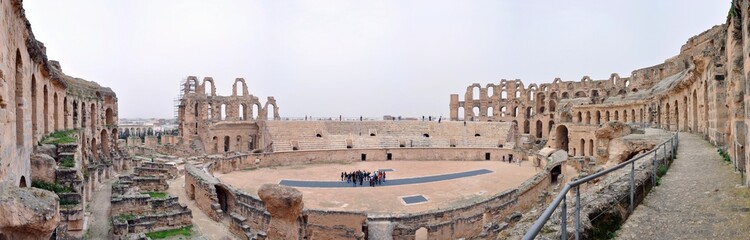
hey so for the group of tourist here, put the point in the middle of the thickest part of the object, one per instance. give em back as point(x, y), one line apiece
point(360, 176)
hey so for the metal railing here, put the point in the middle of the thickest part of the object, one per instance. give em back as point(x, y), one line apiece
point(561, 198)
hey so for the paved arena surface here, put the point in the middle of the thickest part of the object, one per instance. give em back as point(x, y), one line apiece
point(394, 182)
point(444, 184)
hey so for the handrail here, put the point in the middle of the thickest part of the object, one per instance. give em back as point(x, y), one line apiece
point(561, 197)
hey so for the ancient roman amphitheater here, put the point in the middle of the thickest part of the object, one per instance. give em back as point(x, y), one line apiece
point(564, 159)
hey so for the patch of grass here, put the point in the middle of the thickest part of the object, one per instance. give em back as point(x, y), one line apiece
point(723, 153)
point(67, 162)
point(658, 181)
point(54, 187)
point(185, 231)
point(59, 137)
point(67, 203)
point(662, 170)
point(125, 217)
point(156, 195)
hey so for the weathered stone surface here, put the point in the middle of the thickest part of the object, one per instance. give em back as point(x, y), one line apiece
point(28, 213)
point(285, 205)
point(43, 168)
point(613, 129)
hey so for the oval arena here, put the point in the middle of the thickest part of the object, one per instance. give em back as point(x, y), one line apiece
point(443, 179)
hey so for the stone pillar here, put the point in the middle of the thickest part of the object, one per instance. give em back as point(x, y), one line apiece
point(285, 205)
point(454, 107)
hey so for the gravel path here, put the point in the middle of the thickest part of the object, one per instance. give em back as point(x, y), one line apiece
point(99, 222)
point(697, 199)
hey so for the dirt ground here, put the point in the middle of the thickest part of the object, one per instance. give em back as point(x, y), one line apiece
point(386, 199)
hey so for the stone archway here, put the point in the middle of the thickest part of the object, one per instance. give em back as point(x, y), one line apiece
point(561, 137)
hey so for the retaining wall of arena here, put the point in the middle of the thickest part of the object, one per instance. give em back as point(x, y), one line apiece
point(483, 218)
point(232, 163)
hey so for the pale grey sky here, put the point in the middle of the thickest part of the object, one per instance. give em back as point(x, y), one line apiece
point(352, 58)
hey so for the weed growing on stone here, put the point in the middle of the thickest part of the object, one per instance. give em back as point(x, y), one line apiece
point(723, 153)
point(185, 231)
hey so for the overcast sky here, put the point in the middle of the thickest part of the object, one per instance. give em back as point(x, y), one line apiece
point(352, 58)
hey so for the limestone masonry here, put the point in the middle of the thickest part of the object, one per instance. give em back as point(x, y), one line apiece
point(68, 170)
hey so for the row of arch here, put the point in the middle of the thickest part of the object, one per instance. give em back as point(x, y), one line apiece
point(191, 86)
point(625, 115)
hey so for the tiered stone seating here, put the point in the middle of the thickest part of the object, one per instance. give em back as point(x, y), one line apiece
point(385, 134)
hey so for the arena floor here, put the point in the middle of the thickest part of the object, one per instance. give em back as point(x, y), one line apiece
point(388, 199)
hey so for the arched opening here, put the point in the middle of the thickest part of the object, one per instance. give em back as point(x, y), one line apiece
point(34, 109)
point(529, 112)
point(216, 144)
point(552, 106)
point(598, 117)
point(225, 198)
point(238, 144)
point(515, 111)
point(210, 111)
point(561, 137)
point(627, 83)
point(531, 96)
point(518, 94)
point(617, 115)
point(421, 234)
point(565, 95)
point(555, 173)
point(606, 116)
point(105, 142)
point(45, 106)
point(19, 100)
point(579, 117)
point(526, 126)
point(226, 143)
point(93, 117)
point(22, 183)
point(539, 129)
point(475, 93)
point(110, 117)
point(502, 111)
point(56, 112)
point(677, 115)
point(490, 111)
point(694, 112)
point(685, 115)
point(588, 117)
point(66, 112)
point(504, 94)
point(75, 114)
point(475, 114)
point(191, 191)
point(242, 112)
point(625, 115)
point(94, 149)
point(195, 111)
point(461, 114)
point(490, 91)
point(591, 147)
point(223, 112)
point(582, 148)
point(667, 121)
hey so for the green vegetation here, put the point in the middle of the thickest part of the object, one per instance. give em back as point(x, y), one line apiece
point(125, 217)
point(658, 181)
point(54, 187)
point(723, 153)
point(67, 203)
point(185, 231)
point(662, 170)
point(156, 195)
point(59, 137)
point(67, 162)
point(607, 228)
